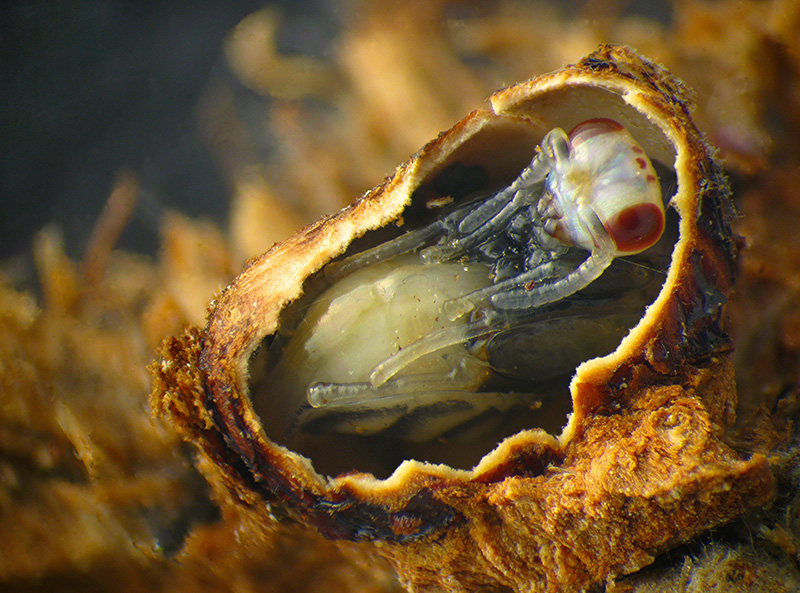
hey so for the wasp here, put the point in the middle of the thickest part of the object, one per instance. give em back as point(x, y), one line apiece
point(411, 331)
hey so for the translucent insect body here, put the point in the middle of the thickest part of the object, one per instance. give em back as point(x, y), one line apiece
point(480, 271)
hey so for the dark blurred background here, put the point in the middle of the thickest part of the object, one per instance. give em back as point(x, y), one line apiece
point(91, 88)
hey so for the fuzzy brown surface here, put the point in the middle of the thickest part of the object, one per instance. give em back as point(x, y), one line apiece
point(92, 489)
point(641, 465)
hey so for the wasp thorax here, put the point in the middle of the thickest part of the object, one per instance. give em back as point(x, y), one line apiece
point(478, 318)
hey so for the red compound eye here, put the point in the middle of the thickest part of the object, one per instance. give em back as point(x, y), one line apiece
point(636, 228)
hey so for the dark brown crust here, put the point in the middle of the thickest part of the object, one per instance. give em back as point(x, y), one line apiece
point(641, 466)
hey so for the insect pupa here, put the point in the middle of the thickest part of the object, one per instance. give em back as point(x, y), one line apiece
point(638, 361)
point(441, 307)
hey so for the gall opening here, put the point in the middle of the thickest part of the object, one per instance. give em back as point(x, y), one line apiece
point(389, 355)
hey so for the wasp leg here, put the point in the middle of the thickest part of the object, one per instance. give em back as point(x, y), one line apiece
point(489, 211)
point(405, 243)
point(493, 214)
point(366, 394)
point(529, 289)
point(482, 224)
point(490, 322)
point(415, 407)
point(469, 227)
point(434, 342)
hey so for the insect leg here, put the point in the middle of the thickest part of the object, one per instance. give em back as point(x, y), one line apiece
point(531, 176)
point(555, 147)
point(494, 213)
point(365, 393)
point(529, 291)
point(419, 415)
point(483, 223)
point(450, 336)
point(413, 407)
point(403, 244)
point(473, 228)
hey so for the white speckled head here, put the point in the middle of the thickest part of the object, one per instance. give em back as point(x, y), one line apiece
point(607, 182)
